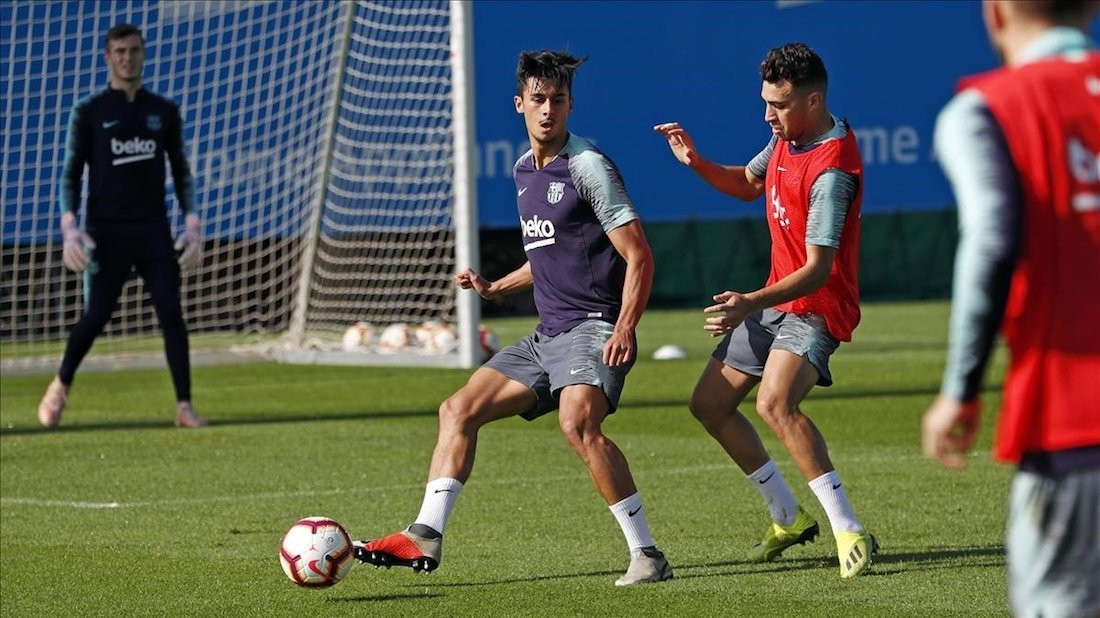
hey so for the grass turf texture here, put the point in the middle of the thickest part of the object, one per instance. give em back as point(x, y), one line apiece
point(119, 513)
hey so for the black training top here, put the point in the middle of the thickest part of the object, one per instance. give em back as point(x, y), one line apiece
point(124, 144)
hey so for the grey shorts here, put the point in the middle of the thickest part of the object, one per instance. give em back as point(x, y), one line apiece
point(548, 364)
point(1053, 543)
point(746, 347)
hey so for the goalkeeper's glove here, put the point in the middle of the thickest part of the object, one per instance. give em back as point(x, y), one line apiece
point(78, 245)
point(189, 242)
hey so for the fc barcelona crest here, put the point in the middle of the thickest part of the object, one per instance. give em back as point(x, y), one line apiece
point(153, 122)
point(555, 192)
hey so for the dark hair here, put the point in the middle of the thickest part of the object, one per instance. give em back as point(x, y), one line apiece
point(121, 31)
point(795, 63)
point(1058, 10)
point(551, 66)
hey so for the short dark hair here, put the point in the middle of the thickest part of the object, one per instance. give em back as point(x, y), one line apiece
point(121, 31)
point(795, 63)
point(551, 66)
point(1058, 10)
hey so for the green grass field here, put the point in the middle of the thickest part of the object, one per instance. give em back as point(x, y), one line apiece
point(118, 513)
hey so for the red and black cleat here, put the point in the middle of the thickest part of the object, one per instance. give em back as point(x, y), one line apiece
point(401, 549)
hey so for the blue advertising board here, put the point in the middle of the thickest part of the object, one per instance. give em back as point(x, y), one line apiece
point(892, 66)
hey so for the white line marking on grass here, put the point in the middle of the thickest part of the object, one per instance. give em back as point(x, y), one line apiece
point(67, 503)
point(282, 495)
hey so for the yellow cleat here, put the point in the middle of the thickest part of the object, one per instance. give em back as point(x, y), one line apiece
point(854, 550)
point(778, 538)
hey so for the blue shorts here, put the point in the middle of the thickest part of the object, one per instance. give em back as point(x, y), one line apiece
point(546, 364)
point(746, 347)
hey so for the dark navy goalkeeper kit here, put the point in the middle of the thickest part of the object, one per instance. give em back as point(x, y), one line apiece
point(124, 145)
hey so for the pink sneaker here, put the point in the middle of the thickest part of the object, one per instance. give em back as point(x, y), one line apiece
point(187, 417)
point(52, 404)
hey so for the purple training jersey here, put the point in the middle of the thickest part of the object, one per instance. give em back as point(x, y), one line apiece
point(566, 210)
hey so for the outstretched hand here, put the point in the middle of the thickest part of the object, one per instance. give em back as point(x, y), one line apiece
point(949, 429)
point(470, 280)
point(679, 141)
point(731, 310)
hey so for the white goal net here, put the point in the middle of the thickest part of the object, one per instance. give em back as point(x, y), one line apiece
point(329, 147)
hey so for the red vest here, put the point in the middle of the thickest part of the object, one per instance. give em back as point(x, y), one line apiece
point(1050, 114)
point(787, 192)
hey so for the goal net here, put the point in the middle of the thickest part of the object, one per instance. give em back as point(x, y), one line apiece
point(330, 148)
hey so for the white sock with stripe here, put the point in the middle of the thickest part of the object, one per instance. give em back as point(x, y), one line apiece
point(830, 493)
point(439, 498)
point(781, 502)
point(631, 517)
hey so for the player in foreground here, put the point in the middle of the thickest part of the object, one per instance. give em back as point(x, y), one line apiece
point(1021, 147)
point(782, 335)
point(592, 270)
point(123, 135)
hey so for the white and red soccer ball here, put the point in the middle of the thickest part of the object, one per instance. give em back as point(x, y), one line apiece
point(357, 336)
point(396, 338)
point(316, 552)
point(435, 337)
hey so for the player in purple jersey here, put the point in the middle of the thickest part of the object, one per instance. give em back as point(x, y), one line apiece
point(591, 268)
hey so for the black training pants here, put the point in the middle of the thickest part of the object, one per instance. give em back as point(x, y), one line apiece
point(144, 246)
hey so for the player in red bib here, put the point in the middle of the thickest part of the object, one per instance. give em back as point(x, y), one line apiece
point(1021, 147)
point(782, 335)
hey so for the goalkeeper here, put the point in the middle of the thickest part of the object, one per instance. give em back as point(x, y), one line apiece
point(123, 134)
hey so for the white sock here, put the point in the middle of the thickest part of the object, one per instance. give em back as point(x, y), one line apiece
point(439, 499)
point(781, 502)
point(631, 517)
point(830, 493)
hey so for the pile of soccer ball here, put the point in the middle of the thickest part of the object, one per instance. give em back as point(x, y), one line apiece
point(316, 552)
point(430, 337)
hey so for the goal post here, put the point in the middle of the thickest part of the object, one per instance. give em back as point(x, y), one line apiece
point(467, 246)
point(332, 149)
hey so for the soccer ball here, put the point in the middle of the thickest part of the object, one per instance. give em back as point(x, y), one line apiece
point(435, 337)
point(316, 552)
point(357, 336)
point(395, 338)
point(488, 342)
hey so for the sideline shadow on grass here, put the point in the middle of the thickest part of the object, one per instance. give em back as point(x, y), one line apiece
point(385, 597)
point(884, 564)
point(798, 564)
point(32, 426)
point(971, 556)
point(816, 394)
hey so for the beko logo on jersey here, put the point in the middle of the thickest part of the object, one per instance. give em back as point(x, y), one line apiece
point(133, 146)
point(138, 149)
point(542, 229)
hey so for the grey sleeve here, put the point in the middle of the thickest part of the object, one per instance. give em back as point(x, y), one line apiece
point(598, 182)
point(972, 150)
point(830, 196)
point(759, 165)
